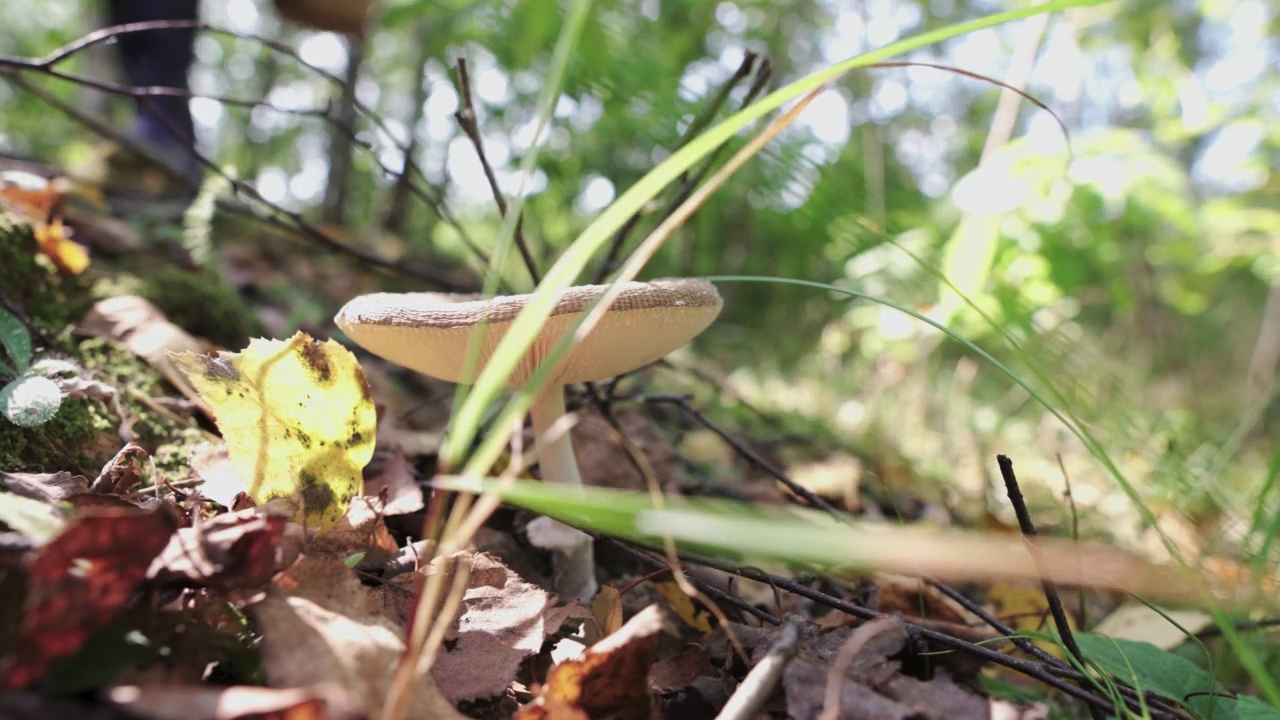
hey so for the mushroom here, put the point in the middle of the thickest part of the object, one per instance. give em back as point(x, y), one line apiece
point(430, 333)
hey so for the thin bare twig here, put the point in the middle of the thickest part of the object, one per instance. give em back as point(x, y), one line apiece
point(466, 117)
point(710, 591)
point(748, 454)
point(1060, 678)
point(764, 70)
point(45, 65)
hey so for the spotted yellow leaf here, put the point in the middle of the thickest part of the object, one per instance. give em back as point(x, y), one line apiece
point(297, 418)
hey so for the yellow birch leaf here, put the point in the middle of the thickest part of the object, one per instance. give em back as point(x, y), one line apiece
point(297, 418)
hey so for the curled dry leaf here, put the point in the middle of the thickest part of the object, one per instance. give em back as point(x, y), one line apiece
point(604, 460)
point(320, 625)
point(80, 580)
point(123, 472)
point(502, 621)
point(45, 487)
point(204, 702)
point(239, 550)
point(609, 680)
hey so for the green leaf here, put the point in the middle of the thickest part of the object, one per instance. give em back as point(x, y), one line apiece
point(1147, 667)
point(30, 401)
point(15, 340)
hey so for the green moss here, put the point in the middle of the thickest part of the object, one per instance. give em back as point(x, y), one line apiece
point(30, 282)
point(122, 369)
point(171, 457)
point(198, 301)
point(80, 438)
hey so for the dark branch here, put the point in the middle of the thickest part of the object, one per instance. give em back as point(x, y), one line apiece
point(466, 117)
point(1050, 590)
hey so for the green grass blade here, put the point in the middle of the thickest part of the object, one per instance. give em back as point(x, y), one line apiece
point(1248, 657)
point(520, 336)
point(570, 34)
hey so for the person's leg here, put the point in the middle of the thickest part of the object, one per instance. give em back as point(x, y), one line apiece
point(160, 58)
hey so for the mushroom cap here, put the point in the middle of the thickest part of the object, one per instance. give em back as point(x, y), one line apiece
point(429, 332)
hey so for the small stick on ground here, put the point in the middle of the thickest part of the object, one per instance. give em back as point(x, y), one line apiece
point(1057, 677)
point(709, 591)
point(1012, 634)
point(759, 684)
point(1050, 590)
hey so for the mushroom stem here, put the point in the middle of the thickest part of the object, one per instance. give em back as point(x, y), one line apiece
point(573, 559)
point(556, 458)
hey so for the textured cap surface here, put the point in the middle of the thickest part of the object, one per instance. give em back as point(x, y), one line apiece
point(429, 332)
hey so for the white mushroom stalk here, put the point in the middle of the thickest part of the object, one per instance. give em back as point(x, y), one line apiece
point(430, 333)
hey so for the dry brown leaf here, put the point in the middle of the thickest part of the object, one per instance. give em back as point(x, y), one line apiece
point(606, 606)
point(397, 477)
point(610, 680)
point(361, 529)
point(205, 702)
point(45, 487)
point(502, 621)
point(240, 550)
point(147, 333)
point(604, 460)
point(688, 686)
point(123, 472)
point(221, 483)
point(320, 625)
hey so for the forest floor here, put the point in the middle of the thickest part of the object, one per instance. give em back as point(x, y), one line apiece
point(153, 585)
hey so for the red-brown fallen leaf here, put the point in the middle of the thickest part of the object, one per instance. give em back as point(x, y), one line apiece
point(122, 472)
point(240, 550)
point(610, 680)
point(320, 625)
point(80, 580)
point(502, 621)
point(203, 702)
